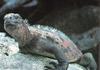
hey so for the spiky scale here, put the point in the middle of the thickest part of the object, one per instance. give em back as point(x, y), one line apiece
point(71, 51)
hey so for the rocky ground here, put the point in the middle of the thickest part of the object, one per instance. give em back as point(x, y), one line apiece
point(11, 59)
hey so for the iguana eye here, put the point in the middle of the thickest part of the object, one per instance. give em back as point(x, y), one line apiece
point(16, 17)
point(10, 17)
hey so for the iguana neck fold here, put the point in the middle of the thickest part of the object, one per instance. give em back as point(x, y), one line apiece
point(23, 35)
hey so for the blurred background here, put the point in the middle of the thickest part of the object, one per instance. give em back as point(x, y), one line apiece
point(69, 16)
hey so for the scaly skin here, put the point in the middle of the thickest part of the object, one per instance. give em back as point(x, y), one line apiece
point(45, 41)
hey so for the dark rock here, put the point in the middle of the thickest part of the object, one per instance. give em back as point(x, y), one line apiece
point(73, 21)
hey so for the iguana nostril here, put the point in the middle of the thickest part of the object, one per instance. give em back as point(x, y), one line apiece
point(6, 54)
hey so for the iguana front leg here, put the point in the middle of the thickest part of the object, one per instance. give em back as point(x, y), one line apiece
point(88, 61)
point(51, 47)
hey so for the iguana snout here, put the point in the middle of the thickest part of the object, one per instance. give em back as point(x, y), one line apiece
point(12, 16)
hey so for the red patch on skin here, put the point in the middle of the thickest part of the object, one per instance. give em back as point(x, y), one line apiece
point(66, 43)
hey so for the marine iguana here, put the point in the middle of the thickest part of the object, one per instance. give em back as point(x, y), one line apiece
point(46, 41)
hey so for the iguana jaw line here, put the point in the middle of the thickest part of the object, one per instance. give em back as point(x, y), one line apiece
point(23, 36)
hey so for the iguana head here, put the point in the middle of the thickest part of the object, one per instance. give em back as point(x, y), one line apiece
point(12, 22)
point(16, 26)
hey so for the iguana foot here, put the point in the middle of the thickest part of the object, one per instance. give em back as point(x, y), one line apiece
point(88, 61)
point(57, 66)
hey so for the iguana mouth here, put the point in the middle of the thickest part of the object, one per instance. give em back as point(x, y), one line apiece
point(9, 25)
